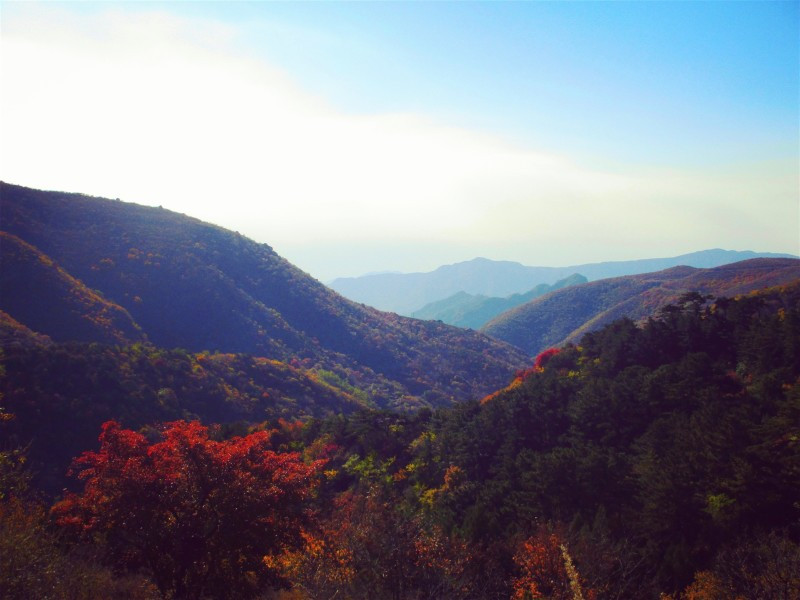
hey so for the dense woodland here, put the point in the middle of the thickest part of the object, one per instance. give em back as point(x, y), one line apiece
point(661, 458)
point(185, 415)
point(177, 282)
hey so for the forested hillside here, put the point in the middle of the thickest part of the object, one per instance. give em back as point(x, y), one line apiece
point(187, 284)
point(652, 461)
point(60, 394)
point(567, 314)
point(474, 311)
point(257, 455)
point(656, 455)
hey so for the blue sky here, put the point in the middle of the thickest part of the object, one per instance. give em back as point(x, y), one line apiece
point(593, 71)
point(356, 137)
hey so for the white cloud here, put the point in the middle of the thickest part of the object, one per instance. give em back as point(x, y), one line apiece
point(160, 110)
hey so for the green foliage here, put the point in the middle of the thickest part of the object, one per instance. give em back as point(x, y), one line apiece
point(664, 448)
point(61, 394)
point(338, 382)
point(15, 477)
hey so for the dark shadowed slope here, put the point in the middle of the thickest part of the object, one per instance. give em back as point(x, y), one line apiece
point(40, 294)
point(567, 314)
point(14, 335)
point(197, 286)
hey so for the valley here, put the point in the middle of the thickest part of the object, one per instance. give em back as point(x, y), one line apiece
point(171, 391)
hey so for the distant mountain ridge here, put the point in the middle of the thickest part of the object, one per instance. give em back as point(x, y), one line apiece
point(187, 284)
point(474, 311)
point(565, 315)
point(406, 293)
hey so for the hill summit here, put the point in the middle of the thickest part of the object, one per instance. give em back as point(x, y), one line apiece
point(565, 315)
point(187, 284)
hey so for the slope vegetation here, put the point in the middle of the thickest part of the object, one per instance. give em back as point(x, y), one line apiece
point(565, 315)
point(474, 311)
point(196, 286)
point(60, 394)
point(46, 298)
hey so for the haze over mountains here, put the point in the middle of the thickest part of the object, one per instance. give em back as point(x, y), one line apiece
point(405, 293)
point(475, 310)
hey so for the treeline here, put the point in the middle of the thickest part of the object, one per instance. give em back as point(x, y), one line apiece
point(60, 395)
point(660, 458)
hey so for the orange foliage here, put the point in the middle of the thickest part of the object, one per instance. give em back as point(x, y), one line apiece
point(546, 570)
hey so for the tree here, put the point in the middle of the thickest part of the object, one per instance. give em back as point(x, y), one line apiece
point(546, 570)
point(203, 517)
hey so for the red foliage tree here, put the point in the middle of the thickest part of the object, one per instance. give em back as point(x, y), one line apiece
point(545, 570)
point(538, 364)
point(204, 518)
point(544, 357)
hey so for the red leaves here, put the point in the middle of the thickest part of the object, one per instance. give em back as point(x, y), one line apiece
point(546, 570)
point(539, 364)
point(189, 508)
point(542, 572)
point(544, 357)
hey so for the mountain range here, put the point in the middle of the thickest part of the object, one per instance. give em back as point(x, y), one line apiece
point(565, 315)
point(405, 293)
point(641, 457)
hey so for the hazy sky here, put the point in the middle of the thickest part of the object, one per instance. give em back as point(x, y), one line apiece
point(356, 137)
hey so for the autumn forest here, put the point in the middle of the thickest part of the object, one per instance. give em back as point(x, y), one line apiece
point(186, 415)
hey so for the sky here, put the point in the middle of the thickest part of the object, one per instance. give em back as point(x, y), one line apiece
point(359, 137)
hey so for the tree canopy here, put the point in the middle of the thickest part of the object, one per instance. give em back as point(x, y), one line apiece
point(203, 517)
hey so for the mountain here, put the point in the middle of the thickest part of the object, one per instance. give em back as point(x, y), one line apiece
point(652, 461)
point(565, 315)
point(474, 311)
point(677, 439)
point(406, 293)
point(192, 285)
